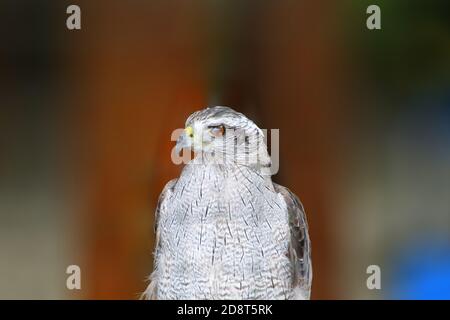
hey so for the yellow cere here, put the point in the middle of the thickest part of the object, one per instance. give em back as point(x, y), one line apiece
point(189, 131)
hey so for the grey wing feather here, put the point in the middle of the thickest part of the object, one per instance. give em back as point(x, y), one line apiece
point(151, 291)
point(300, 245)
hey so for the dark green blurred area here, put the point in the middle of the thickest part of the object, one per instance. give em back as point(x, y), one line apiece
point(412, 49)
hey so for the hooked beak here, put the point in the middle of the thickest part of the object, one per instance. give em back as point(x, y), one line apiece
point(185, 139)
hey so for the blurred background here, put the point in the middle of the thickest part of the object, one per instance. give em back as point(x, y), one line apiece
point(86, 118)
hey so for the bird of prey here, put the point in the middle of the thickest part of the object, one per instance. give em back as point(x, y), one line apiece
point(223, 229)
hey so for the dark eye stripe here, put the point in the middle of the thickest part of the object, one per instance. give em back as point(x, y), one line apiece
point(217, 126)
point(225, 127)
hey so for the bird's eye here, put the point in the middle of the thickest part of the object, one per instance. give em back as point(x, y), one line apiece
point(217, 131)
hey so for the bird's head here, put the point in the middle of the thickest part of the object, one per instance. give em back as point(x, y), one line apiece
point(222, 135)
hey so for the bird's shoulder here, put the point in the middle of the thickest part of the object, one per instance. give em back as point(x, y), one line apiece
point(162, 203)
point(299, 246)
